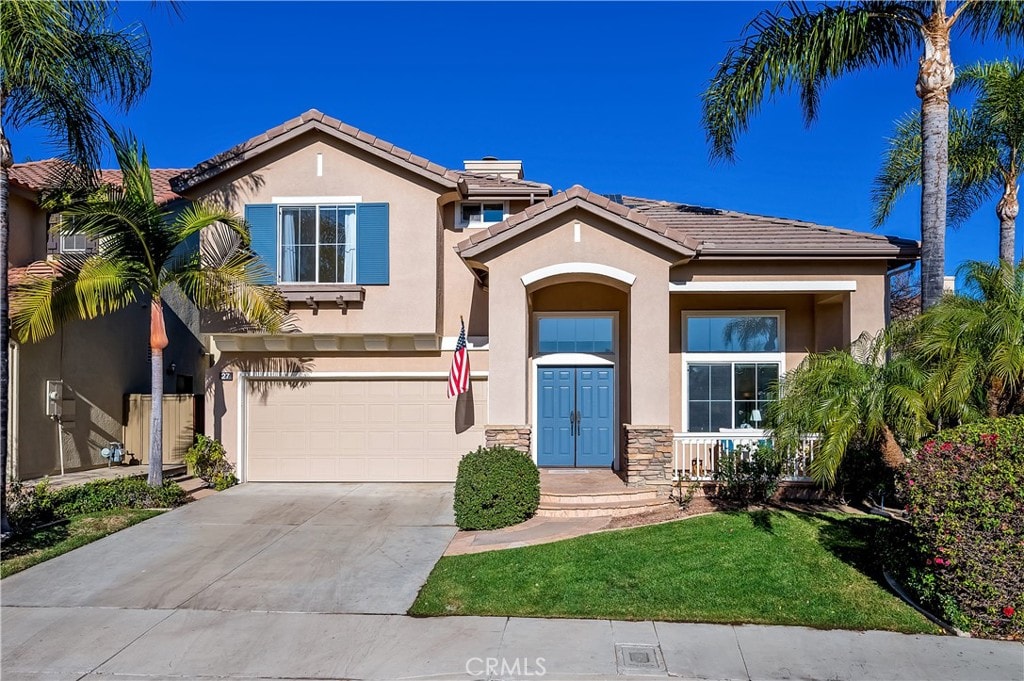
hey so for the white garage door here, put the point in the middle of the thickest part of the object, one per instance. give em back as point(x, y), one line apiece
point(342, 430)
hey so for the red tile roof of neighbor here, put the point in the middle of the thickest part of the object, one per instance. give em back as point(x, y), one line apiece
point(40, 268)
point(36, 176)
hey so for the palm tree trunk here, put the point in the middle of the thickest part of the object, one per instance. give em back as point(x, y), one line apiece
point(934, 79)
point(892, 453)
point(5, 163)
point(1007, 210)
point(157, 343)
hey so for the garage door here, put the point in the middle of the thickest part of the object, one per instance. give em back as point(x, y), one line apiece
point(343, 430)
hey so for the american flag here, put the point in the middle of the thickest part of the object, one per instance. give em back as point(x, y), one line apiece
point(458, 377)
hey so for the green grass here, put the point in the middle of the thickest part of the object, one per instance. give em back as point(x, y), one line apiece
point(24, 552)
point(766, 567)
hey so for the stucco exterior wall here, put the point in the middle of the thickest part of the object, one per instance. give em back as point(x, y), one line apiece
point(409, 303)
point(601, 243)
point(27, 235)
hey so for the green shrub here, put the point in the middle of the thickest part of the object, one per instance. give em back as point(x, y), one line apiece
point(29, 507)
point(965, 504)
point(863, 474)
point(495, 487)
point(749, 474)
point(103, 495)
point(208, 461)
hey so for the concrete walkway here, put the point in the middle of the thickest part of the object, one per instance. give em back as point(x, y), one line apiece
point(311, 582)
point(536, 530)
point(115, 643)
point(104, 473)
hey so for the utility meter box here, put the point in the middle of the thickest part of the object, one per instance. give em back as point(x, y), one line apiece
point(54, 398)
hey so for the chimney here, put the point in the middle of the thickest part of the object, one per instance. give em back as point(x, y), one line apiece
point(490, 165)
point(949, 284)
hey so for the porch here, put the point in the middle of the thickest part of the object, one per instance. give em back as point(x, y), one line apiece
point(699, 456)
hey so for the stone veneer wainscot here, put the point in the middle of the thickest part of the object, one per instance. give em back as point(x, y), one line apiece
point(648, 460)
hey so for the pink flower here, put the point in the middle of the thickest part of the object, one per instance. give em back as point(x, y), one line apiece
point(946, 446)
point(928, 562)
point(910, 482)
point(1009, 611)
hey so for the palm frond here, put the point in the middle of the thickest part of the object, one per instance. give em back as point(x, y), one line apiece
point(80, 287)
point(796, 48)
point(58, 60)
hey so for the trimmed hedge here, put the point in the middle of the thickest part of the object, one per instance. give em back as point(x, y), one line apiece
point(495, 487)
point(965, 504)
point(29, 507)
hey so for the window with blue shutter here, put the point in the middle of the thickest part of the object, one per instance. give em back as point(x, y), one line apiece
point(373, 264)
point(325, 244)
point(262, 219)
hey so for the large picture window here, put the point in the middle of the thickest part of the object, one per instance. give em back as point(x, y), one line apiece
point(731, 361)
point(318, 244)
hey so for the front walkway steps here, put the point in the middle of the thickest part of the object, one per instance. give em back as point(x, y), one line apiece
point(591, 493)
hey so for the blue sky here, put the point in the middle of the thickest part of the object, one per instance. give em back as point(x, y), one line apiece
point(606, 95)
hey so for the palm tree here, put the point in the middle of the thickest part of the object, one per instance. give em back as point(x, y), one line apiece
point(974, 344)
point(843, 394)
point(986, 152)
point(146, 254)
point(58, 60)
point(796, 47)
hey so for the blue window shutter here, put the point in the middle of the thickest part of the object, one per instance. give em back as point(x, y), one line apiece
point(372, 249)
point(262, 219)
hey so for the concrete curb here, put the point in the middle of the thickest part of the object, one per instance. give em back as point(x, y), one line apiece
point(901, 592)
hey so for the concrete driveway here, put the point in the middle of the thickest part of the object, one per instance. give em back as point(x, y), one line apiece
point(325, 548)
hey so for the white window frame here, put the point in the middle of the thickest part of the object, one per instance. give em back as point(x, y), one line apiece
point(461, 224)
point(730, 358)
point(64, 238)
point(316, 210)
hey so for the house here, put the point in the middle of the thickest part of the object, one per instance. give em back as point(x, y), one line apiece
point(90, 366)
point(604, 331)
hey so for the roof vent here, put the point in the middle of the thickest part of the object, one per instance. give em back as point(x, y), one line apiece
point(491, 165)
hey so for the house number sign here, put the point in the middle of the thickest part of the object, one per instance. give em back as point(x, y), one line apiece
point(227, 375)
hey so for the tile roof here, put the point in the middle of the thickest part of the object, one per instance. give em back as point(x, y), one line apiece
point(312, 120)
point(36, 176)
point(500, 182)
point(730, 233)
point(40, 268)
point(579, 196)
point(317, 120)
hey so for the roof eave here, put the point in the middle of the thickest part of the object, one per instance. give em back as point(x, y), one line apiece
point(470, 249)
point(200, 174)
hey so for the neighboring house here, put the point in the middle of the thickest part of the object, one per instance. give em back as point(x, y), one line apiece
point(605, 331)
point(98, 362)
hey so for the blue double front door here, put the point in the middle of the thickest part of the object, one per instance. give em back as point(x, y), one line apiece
point(576, 416)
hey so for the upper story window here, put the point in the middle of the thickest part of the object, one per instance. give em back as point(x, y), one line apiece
point(480, 214)
point(67, 243)
point(318, 244)
point(731, 360)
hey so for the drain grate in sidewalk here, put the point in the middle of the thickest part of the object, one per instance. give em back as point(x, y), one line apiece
point(638, 657)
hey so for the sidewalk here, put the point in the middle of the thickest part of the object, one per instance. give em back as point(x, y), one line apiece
point(107, 643)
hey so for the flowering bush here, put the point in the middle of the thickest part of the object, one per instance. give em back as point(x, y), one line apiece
point(965, 503)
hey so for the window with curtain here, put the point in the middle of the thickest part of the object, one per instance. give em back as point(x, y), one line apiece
point(318, 244)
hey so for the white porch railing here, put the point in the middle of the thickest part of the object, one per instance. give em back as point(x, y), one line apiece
point(696, 456)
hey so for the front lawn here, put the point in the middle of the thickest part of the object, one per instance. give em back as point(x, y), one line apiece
point(765, 567)
point(28, 550)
